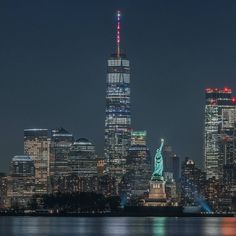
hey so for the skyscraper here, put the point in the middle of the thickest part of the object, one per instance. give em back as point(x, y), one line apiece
point(118, 116)
point(219, 129)
point(37, 146)
point(60, 146)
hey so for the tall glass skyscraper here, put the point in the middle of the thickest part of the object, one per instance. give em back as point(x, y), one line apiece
point(118, 116)
point(219, 140)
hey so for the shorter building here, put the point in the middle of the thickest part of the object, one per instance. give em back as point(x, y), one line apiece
point(229, 188)
point(170, 189)
point(107, 185)
point(135, 181)
point(193, 182)
point(213, 190)
point(171, 162)
point(100, 166)
point(21, 182)
point(82, 159)
point(3, 190)
point(61, 142)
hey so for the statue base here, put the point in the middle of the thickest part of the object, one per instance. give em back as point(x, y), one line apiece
point(157, 195)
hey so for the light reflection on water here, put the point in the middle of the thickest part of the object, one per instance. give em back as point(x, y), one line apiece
point(113, 226)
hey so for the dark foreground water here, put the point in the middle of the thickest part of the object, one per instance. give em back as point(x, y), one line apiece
point(112, 226)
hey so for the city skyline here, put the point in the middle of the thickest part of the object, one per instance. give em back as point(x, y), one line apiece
point(175, 114)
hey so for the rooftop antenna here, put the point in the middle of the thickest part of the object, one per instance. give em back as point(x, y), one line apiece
point(118, 33)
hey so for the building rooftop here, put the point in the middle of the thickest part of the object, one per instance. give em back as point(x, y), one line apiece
point(22, 158)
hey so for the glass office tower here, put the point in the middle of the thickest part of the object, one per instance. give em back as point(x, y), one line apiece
point(219, 129)
point(118, 117)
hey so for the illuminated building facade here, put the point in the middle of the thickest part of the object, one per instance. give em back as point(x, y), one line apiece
point(61, 142)
point(82, 158)
point(118, 116)
point(228, 193)
point(138, 166)
point(22, 166)
point(3, 190)
point(219, 129)
point(21, 182)
point(37, 146)
point(139, 137)
point(193, 182)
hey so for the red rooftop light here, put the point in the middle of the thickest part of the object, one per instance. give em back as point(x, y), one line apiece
point(233, 100)
point(216, 90)
point(227, 90)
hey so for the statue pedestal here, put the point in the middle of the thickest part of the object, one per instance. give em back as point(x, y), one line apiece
point(157, 195)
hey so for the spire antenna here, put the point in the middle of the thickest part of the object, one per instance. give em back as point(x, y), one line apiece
point(118, 33)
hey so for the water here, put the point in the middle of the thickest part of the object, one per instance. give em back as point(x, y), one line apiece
point(112, 226)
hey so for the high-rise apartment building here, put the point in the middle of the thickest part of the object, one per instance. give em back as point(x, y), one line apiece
point(118, 116)
point(219, 131)
point(37, 146)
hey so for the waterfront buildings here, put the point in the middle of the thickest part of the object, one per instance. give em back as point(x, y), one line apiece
point(118, 115)
point(21, 182)
point(37, 146)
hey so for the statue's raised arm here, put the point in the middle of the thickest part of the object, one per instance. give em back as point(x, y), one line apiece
point(162, 144)
point(158, 163)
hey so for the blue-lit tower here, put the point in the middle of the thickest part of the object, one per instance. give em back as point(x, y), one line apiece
point(118, 116)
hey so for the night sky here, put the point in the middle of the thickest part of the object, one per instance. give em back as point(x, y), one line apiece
point(53, 67)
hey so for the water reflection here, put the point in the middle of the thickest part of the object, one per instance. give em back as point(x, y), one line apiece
point(112, 226)
point(228, 226)
point(159, 226)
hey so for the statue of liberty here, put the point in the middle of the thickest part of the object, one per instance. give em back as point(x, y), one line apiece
point(158, 164)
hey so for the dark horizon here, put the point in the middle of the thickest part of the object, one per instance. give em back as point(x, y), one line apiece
point(54, 56)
